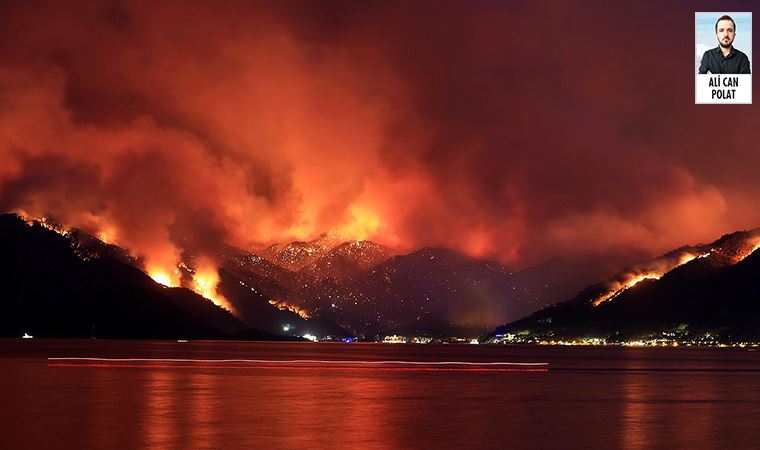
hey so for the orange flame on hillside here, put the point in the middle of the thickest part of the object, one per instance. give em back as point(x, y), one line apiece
point(161, 270)
point(164, 277)
point(44, 222)
point(630, 279)
point(282, 306)
point(751, 246)
point(754, 248)
point(107, 235)
point(205, 282)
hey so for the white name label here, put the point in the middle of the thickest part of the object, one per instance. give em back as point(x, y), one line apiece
point(724, 89)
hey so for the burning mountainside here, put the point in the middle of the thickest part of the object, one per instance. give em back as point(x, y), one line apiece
point(283, 306)
point(205, 281)
point(710, 287)
point(653, 270)
point(728, 250)
point(197, 279)
point(45, 223)
point(57, 284)
point(354, 284)
point(204, 278)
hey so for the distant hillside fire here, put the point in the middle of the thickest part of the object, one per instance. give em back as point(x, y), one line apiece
point(204, 279)
point(44, 223)
point(283, 306)
point(652, 271)
point(730, 249)
point(205, 283)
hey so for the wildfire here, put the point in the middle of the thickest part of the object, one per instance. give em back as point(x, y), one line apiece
point(752, 245)
point(44, 222)
point(282, 306)
point(363, 224)
point(23, 215)
point(205, 281)
point(618, 288)
point(640, 278)
point(107, 236)
point(631, 279)
point(162, 277)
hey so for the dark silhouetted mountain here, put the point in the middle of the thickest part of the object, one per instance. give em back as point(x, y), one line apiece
point(428, 290)
point(706, 288)
point(260, 275)
point(432, 291)
point(49, 290)
point(93, 286)
point(254, 308)
point(88, 246)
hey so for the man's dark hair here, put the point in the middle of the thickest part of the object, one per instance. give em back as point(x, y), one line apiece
point(724, 17)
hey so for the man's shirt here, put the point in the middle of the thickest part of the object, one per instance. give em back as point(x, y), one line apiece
point(714, 61)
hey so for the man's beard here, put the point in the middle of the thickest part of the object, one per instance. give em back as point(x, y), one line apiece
point(725, 45)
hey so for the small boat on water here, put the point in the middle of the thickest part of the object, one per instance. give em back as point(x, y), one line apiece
point(27, 336)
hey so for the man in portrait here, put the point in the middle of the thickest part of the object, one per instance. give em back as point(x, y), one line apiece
point(724, 58)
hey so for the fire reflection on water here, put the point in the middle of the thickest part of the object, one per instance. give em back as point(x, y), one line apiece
point(589, 398)
point(203, 404)
point(636, 412)
point(668, 410)
point(160, 420)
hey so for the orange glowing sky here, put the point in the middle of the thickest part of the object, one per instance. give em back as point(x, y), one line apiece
point(173, 127)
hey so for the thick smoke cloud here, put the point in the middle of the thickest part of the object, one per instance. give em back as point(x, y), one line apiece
point(517, 132)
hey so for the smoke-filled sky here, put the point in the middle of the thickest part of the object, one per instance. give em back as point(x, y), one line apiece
point(512, 130)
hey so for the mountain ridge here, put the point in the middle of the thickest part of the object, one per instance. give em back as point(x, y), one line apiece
point(713, 292)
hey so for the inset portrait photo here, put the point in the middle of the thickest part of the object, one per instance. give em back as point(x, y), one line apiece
point(723, 57)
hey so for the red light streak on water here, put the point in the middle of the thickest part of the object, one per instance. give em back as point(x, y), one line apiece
point(299, 361)
point(290, 367)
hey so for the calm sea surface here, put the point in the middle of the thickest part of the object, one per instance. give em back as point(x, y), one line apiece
point(261, 397)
